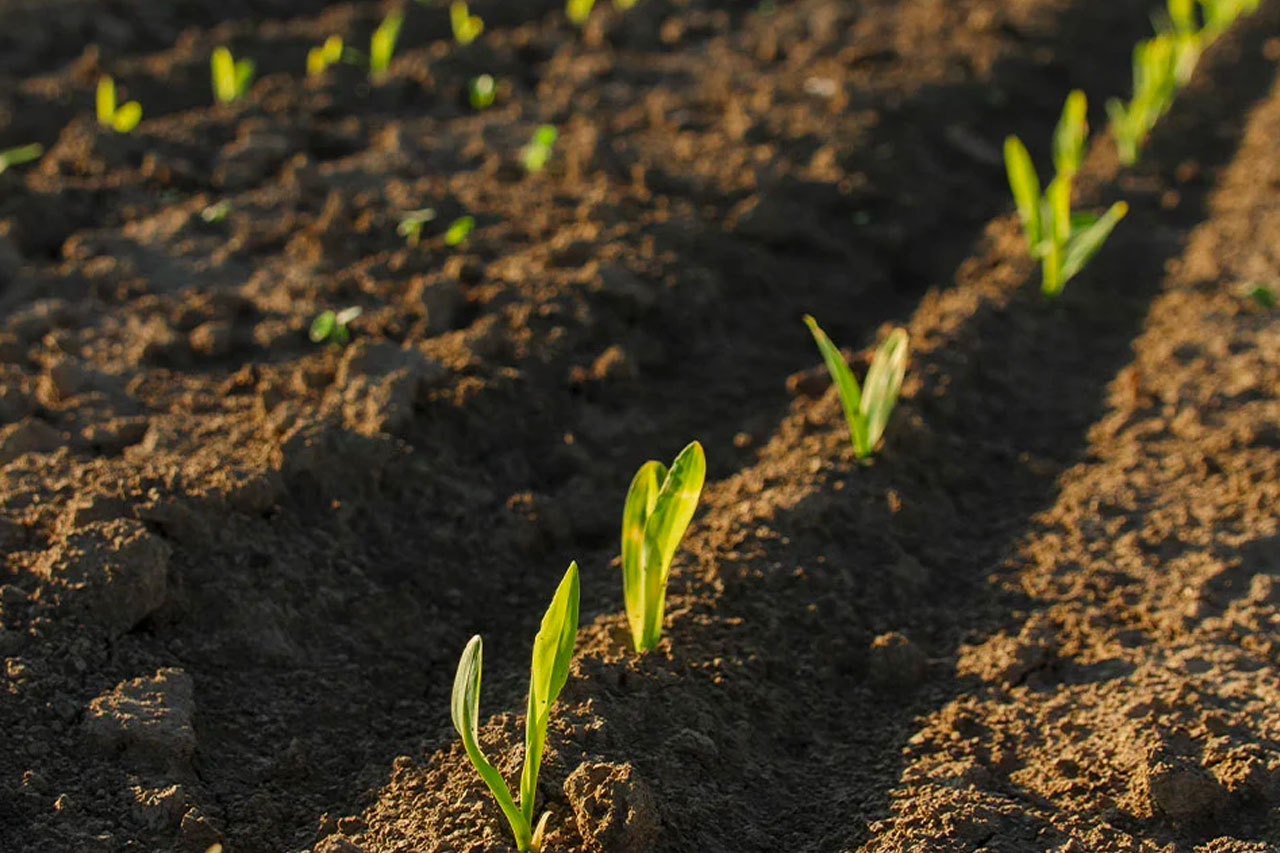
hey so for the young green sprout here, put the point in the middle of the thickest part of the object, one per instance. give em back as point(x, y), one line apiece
point(1263, 295)
point(866, 410)
point(536, 154)
point(231, 77)
point(1063, 239)
point(122, 118)
point(410, 227)
point(1220, 14)
point(460, 229)
point(548, 672)
point(331, 326)
point(320, 58)
point(382, 44)
point(466, 26)
point(1156, 78)
point(216, 212)
point(659, 506)
point(20, 155)
point(624, 5)
point(481, 91)
point(578, 11)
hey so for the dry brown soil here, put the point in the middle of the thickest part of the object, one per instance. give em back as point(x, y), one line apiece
point(238, 567)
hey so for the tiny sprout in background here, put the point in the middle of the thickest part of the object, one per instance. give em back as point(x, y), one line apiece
point(216, 212)
point(466, 26)
point(382, 44)
point(122, 118)
point(331, 326)
point(578, 11)
point(320, 58)
point(231, 77)
point(481, 91)
point(410, 227)
point(459, 230)
point(21, 154)
point(624, 5)
point(1262, 295)
point(536, 154)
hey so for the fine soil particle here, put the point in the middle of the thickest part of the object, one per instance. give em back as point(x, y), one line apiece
point(238, 566)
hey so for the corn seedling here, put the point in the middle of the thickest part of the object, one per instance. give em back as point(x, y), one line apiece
point(536, 154)
point(331, 326)
point(320, 58)
point(382, 44)
point(410, 227)
point(21, 154)
point(121, 118)
point(552, 652)
point(216, 212)
point(659, 506)
point(866, 409)
point(1063, 240)
point(460, 229)
point(466, 26)
point(1156, 78)
point(1262, 295)
point(231, 77)
point(481, 91)
point(578, 11)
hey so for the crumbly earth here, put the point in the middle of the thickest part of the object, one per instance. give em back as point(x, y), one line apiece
point(237, 567)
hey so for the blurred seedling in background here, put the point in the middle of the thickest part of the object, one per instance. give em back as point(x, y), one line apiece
point(481, 91)
point(382, 44)
point(411, 222)
point(624, 5)
point(320, 58)
point(332, 326)
point(216, 212)
point(231, 77)
point(1063, 240)
point(1155, 84)
point(866, 409)
point(120, 118)
point(659, 507)
point(536, 154)
point(578, 11)
point(1262, 295)
point(20, 155)
point(548, 672)
point(1220, 14)
point(466, 26)
point(460, 229)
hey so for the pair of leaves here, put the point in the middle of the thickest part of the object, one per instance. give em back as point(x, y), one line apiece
point(331, 326)
point(466, 26)
point(320, 58)
point(382, 44)
point(660, 504)
point(121, 118)
point(866, 410)
point(548, 672)
point(231, 77)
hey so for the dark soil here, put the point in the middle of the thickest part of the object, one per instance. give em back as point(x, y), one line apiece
point(238, 567)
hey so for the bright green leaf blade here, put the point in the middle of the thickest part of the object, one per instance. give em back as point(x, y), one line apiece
point(578, 11)
point(548, 671)
point(846, 385)
point(459, 230)
point(641, 498)
point(1025, 186)
point(464, 707)
point(665, 527)
point(322, 326)
point(884, 382)
point(21, 154)
point(1070, 134)
point(222, 69)
point(1084, 245)
point(244, 76)
point(105, 100)
point(127, 117)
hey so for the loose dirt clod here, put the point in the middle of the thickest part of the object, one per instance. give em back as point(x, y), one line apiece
point(147, 720)
point(613, 807)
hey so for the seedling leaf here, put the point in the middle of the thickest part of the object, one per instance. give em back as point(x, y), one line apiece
point(884, 382)
point(21, 154)
point(1086, 243)
point(1025, 186)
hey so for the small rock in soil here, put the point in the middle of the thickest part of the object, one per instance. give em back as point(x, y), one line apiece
point(116, 571)
point(895, 661)
point(613, 808)
point(27, 436)
point(148, 720)
point(1181, 790)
